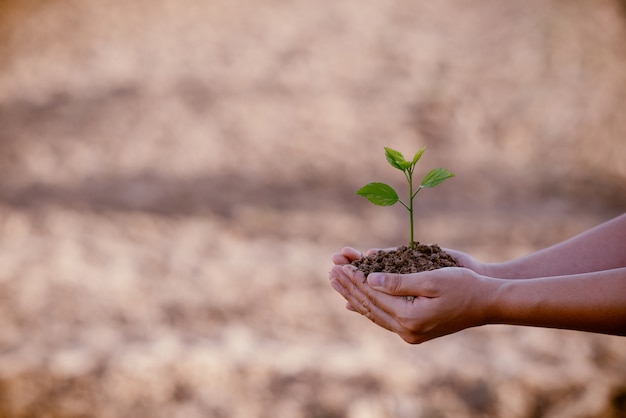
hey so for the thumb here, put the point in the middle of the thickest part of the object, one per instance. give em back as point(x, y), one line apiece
point(415, 284)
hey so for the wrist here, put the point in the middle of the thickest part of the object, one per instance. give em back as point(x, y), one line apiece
point(493, 291)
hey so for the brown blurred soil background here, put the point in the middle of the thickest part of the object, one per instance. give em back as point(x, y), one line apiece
point(175, 175)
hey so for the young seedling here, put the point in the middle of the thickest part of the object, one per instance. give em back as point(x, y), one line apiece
point(382, 194)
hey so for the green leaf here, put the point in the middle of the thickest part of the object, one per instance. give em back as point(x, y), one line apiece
point(435, 177)
point(418, 156)
point(396, 159)
point(380, 194)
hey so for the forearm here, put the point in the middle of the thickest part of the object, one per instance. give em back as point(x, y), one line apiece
point(600, 248)
point(594, 302)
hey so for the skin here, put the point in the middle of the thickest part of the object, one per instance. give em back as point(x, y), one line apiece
point(578, 284)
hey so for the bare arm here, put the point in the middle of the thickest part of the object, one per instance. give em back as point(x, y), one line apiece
point(593, 302)
point(599, 248)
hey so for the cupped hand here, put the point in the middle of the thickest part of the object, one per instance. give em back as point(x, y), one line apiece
point(446, 300)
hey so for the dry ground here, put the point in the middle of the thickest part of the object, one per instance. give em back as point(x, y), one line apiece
point(174, 176)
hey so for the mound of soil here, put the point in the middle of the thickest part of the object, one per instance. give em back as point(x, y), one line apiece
point(406, 260)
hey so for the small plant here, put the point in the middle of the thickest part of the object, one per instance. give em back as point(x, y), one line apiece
point(382, 194)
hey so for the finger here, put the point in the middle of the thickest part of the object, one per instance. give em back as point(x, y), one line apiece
point(394, 305)
point(334, 272)
point(415, 284)
point(380, 316)
point(337, 276)
point(340, 282)
point(361, 303)
point(357, 302)
point(344, 287)
point(337, 283)
point(346, 256)
point(367, 301)
point(351, 253)
point(339, 259)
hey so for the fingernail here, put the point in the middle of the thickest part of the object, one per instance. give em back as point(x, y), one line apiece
point(376, 279)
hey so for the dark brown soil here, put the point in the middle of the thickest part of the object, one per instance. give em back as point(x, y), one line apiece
point(406, 260)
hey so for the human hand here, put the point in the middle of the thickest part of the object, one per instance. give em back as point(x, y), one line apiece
point(348, 254)
point(446, 300)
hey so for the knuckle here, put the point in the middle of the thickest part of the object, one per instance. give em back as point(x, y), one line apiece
point(394, 284)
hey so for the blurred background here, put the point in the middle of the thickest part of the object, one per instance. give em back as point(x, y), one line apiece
point(175, 175)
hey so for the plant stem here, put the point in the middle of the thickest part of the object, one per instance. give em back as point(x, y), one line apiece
point(411, 196)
